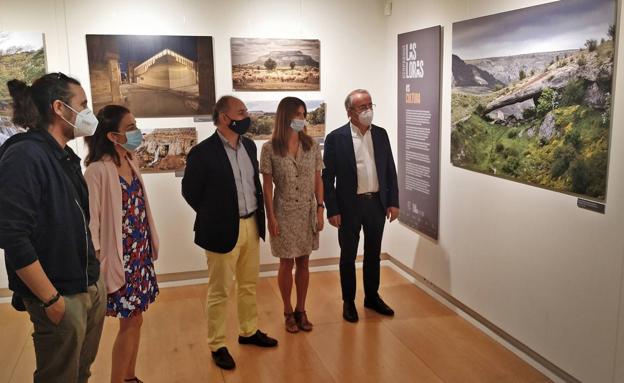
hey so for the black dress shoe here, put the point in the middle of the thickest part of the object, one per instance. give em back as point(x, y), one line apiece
point(259, 339)
point(378, 305)
point(349, 312)
point(223, 359)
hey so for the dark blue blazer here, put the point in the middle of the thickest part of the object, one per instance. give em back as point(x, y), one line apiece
point(208, 186)
point(340, 173)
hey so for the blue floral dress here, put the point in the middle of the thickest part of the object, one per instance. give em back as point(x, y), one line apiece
point(141, 287)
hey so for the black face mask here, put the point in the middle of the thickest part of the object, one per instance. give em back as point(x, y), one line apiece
point(240, 127)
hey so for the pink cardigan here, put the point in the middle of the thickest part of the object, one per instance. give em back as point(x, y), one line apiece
point(105, 208)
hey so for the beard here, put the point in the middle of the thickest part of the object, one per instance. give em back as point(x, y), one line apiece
point(68, 129)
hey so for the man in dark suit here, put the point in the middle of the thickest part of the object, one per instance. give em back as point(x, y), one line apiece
point(361, 191)
point(222, 184)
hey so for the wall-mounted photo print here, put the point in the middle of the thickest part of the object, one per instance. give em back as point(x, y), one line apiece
point(22, 57)
point(153, 76)
point(262, 115)
point(531, 97)
point(276, 64)
point(165, 150)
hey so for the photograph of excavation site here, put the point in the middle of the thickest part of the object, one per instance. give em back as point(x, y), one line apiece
point(531, 95)
point(153, 76)
point(275, 64)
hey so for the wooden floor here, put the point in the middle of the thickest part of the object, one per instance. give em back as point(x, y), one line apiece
point(424, 342)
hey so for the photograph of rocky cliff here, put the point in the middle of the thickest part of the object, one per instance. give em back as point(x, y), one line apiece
point(153, 76)
point(531, 95)
point(22, 56)
point(165, 150)
point(275, 64)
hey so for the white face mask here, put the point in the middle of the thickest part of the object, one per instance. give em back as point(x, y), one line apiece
point(366, 117)
point(85, 124)
point(298, 125)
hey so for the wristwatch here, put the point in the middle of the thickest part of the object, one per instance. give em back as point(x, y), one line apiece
point(52, 301)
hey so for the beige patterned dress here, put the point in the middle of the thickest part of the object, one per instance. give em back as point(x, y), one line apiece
point(294, 202)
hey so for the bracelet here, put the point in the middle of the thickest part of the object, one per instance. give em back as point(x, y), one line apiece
point(52, 301)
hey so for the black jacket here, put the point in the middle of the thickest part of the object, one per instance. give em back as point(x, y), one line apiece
point(340, 173)
point(44, 207)
point(209, 187)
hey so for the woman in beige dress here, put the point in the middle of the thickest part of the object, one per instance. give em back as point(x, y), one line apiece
point(292, 162)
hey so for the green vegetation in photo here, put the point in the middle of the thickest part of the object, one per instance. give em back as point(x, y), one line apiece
point(26, 66)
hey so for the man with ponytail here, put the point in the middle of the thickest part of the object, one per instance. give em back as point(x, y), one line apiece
point(44, 215)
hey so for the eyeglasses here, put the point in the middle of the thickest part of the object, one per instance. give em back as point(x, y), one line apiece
point(363, 108)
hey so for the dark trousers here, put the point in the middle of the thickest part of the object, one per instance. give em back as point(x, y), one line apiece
point(371, 217)
point(64, 352)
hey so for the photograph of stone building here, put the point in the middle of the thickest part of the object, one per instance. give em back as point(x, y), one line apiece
point(165, 150)
point(153, 76)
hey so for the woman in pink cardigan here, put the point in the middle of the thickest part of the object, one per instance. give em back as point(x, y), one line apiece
point(123, 231)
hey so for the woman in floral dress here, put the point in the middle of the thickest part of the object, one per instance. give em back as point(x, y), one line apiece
point(123, 232)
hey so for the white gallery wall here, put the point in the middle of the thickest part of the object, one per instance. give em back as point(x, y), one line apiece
point(525, 258)
point(346, 29)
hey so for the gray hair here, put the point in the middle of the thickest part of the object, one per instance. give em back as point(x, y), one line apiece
point(222, 106)
point(349, 100)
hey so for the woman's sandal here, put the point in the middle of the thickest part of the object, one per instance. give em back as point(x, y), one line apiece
point(291, 323)
point(133, 380)
point(302, 321)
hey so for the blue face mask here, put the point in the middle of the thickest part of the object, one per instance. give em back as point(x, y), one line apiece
point(134, 139)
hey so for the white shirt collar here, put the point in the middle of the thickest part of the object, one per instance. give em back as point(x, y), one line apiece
point(355, 130)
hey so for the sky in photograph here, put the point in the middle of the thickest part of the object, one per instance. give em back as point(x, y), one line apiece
point(557, 26)
point(245, 51)
point(28, 41)
point(139, 48)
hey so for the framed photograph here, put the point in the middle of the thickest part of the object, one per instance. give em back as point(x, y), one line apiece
point(262, 115)
point(275, 64)
point(22, 57)
point(532, 95)
point(165, 150)
point(153, 76)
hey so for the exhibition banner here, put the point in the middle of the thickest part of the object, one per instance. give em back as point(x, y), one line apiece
point(419, 68)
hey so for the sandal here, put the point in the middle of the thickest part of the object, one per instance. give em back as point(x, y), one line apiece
point(302, 321)
point(133, 380)
point(291, 323)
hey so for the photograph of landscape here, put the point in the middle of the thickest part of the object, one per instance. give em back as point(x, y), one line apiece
point(22, 56)
point(262, 115)
point(275, 64)
point(531, 95)
point(153, 76)
point(165, 150)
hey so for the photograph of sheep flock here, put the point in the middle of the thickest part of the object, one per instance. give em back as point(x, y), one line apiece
point(531, 95)
point(276, 64)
